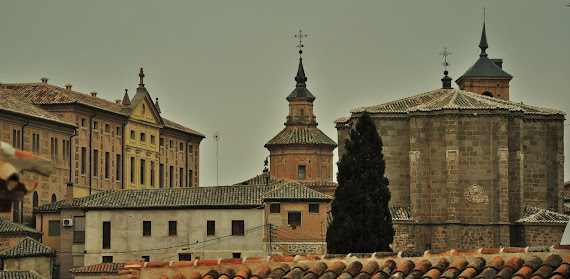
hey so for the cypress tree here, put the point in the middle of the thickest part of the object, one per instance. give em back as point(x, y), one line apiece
point(361, 220)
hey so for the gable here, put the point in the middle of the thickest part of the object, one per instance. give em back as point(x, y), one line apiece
point(145, 111)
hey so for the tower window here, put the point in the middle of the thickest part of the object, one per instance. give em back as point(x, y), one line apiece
point(487, 93)
point(302, 172)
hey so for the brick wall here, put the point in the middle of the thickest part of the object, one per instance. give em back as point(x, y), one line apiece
point(542, 235)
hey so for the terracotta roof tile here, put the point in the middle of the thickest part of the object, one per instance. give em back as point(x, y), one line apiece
point(98, 268)
point(176, 126)
point(244, 273)
point(294, 191)
point(13, 102)
point(510, 268)
point(10, 228)
point(28, 247)
point(295, 135)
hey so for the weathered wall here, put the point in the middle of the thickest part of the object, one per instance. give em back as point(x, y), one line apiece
point(284, 161)
point(40, 265)
point(542, 235)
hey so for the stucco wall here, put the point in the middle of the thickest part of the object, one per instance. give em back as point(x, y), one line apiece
point(127, 234)
point(41, 265)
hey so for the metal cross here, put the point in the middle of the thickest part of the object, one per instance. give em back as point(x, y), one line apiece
point(300, 45)
point(445, 54)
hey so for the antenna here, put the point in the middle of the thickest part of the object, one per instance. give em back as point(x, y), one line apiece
point(217, 140)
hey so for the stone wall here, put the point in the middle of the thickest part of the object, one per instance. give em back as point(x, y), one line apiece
point(542, 235)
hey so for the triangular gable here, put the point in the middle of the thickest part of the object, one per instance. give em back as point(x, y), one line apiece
point(142, 108)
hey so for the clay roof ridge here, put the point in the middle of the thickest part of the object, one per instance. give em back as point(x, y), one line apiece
point(9, 227)
point(533, 214)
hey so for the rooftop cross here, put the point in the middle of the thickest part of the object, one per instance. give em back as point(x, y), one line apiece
point(445, 54)
point(300, 45)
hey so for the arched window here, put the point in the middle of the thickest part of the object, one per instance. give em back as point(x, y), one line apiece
point(53, 197)
point(487, 93)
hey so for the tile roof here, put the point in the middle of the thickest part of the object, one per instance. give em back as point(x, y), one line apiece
point(294, 191)
point(450, 99)
point(485, 67)
point(532, 214)
point(20, 275)
point(14, 102)
point(8, 227)
point(401, 213)
point(486, 263)
point(46, 94)
point(566, 196)
point(28, 247)
point(300, 135)
point(98, 268)
point(176, 126)
point(262, 179)
point(56, 206)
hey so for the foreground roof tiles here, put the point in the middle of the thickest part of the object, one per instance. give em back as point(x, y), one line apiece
point(28, 247)
point(509, 262)
point(10, 228)
point(301, 135)
point(20, 275)
point(450, 99)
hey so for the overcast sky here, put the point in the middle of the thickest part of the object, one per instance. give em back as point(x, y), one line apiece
point(227, 66)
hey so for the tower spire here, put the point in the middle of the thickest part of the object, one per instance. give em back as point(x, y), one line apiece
point(301, 79)
point(483, 43)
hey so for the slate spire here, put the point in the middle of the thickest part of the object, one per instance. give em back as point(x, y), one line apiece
point(301, 79)
point(483, 44)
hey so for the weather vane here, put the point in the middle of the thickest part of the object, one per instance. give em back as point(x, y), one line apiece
point(300, 45)
point(445, 54)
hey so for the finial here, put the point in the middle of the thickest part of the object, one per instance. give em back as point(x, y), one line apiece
point(126, 99)
point(300, 45)
point(446, 81)
point(483, 43)
point(141, 76)
point(445, 54)
point(157, 106)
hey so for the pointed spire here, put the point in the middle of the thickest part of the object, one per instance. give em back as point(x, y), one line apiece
point(157, 106)
point(126, 100)
point(301, 78)
point(141, 76)
point(483, 44)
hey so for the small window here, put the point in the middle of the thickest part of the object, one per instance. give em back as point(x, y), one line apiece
point(181, 149)
point(302, 172)
point(152, 139)
point(83, 123)
point(132, 134)
point(118, 132)
point(79, 229)
point(185, 257)
point(54, 227)
point(146, 258)
point(161, 142)
point(237, 227)
point(172, 228)
point(146, 228)
point(107, 259)
point(143, 137)
point(190, 149)
point(275, 208)
point(171, 146)
point(95, 126)
point(294, 219)
point(236, 255)
point(107, 129)
point(313, 208)
point(211, 227)
point(106, 235)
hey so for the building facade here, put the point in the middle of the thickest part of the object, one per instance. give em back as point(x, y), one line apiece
point(465, 167)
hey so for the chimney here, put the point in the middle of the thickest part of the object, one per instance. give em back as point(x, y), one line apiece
point(69, 195)
point(68, 86)
point(498, 62)
point(44, 80)
point(94, 93)
point(117, 101)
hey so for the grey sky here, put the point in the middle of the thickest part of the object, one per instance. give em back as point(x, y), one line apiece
point(228, 65)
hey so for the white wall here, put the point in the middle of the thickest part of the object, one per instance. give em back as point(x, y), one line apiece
point(127, 234)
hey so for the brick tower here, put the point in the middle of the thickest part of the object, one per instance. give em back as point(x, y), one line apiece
point(486, 76)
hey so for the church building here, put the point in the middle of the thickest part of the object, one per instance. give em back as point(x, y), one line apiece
point(468, 168)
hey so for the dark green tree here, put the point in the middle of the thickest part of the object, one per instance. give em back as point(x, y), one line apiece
point(361, 220)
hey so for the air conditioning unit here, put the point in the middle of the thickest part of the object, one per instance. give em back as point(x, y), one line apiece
point(67, 222)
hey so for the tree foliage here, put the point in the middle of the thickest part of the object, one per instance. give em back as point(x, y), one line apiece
point(361, 218)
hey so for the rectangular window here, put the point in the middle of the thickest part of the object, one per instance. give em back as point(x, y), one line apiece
point(106, 235)
point(161, 176)
point(107, 129)
point(171, 146)
point(66, 148)
point(237, 227)
point(35, 143)
point(52, 147)
point(313, 208)
point(107, 164)
point(294, 219)
point(83, 159)
point(146, 258)
point(79, 229)
point(95, 126)
point(172, 228)
point(181, 149)
point(143, 137)
point(171, 176)
point(161, 142)
point(17, 138)
point(107, 259)
point(118, 168)
point(143, 170)
point(132, 134)
point(275, 208)
point(190, 149)
point(152, 139)
point(54, 227)
point(132, 169)
point(118, 132)
point(185, 257)
point(180, 180)
point(236, 255)
point(302, 172)
point(95, 163)
point(189, 178)
point(211, 227)
point(147, 228)
point(152, 171)
point(83, 123)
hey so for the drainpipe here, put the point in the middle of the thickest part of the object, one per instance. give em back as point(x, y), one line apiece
point(91, 150)
point(22, 147)
point(123, 144)
point(186, 174)
point(70, 160)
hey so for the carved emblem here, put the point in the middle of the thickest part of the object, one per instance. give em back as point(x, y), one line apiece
point(476, 194)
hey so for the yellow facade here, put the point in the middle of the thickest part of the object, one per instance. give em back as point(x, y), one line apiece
point(141, 146)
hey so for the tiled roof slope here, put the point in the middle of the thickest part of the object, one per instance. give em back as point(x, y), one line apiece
point(202, 197)
point(176, 126)
point(262, 179)
point(450, 99)
point(28, 247)
point(14, 102)
point(43, 94)
point(401, 213)
point(56, 206)
point(532, 214)
point(487, 263)
point(301, 135)
point(10, 228)
point(98, 268)
point(20, 275)
point(293, 191)
point(485, 67)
